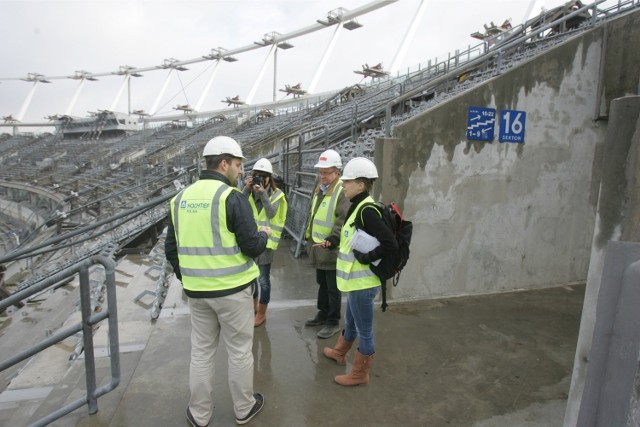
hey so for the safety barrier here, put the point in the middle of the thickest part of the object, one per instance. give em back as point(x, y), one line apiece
point(298, 215)
point(89, 319)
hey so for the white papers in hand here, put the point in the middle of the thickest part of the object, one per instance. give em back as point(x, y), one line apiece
point(364, 242)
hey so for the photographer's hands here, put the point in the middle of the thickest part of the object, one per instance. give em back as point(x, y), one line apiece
point(248, 183)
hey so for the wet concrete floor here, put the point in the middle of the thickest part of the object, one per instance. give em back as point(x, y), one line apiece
point(492, 360)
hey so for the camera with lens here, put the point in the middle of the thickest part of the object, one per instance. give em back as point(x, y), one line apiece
point(258, 180)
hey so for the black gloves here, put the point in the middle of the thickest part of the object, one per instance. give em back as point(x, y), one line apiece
point(335, 242)
point(362, 258)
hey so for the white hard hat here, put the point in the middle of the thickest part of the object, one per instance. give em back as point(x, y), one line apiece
point(329, 159)
point(359, 168)
point(223, 145)
point(263, 165)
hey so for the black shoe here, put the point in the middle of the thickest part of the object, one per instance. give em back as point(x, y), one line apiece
point(256, 408)
point(193, 421)
point(316, 321)
point(328, 331)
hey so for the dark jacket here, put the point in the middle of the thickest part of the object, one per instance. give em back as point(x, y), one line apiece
point(373, 224)
point(239, 221)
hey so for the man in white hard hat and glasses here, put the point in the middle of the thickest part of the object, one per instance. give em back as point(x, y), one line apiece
point(328, 211)
point(211, 241)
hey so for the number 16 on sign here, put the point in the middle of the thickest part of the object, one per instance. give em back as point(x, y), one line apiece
point(512, 126)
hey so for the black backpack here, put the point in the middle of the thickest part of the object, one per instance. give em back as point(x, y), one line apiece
point(392, 264)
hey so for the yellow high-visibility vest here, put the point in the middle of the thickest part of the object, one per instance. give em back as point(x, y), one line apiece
point(322, 222)
point(277, 222)
point(209, 256)
point(350, 274)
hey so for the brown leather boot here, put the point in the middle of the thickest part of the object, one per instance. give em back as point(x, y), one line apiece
point(261, 315)
point(339, 352)
point(359, 371)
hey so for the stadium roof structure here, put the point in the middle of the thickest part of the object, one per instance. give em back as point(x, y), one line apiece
point(338, 18)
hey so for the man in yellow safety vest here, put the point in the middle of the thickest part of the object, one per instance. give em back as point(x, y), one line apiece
point(211, 241)
point(328, 211)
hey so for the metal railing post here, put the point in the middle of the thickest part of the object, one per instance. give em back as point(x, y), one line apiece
point(87, 339)
point(85, 326)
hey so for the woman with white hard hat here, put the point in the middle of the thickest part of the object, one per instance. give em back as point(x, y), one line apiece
point(354, 276)
point(269, 207)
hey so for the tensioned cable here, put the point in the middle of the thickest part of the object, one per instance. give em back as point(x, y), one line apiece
point(185, 87)
point(276, 39)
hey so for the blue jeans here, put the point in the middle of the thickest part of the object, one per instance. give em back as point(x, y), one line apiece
point(358, 320)
point(264, 281)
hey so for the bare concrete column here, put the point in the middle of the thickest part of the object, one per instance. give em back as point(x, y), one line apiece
point(617, 218)
point(392, 184)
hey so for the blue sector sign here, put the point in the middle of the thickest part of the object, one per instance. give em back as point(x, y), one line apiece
point(481, 123)
point(512, 126)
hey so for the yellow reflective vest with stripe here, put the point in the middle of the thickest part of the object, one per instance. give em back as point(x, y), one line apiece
point(277, 222)
point(321, 225)
point(350, 274)
point(210, 258)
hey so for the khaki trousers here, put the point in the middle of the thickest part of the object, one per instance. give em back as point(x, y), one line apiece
point(232, 318)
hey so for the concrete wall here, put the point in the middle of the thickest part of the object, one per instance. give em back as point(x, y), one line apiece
point(610, 395)
point(491, 217)
point(621, 63)
point(618, 218)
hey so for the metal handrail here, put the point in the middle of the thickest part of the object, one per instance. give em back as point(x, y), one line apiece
point(85, 326)
point(495, 53)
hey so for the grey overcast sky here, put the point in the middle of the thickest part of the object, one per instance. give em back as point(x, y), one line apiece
point(58, 38)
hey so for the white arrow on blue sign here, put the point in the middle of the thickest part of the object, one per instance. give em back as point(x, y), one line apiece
point(481, 123)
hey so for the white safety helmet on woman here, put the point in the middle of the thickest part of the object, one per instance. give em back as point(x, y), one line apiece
point(263, 165)
point(359, 167)
point(329, 159)
point(223, 145)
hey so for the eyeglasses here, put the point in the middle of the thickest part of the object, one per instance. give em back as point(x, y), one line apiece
point(327, 173)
